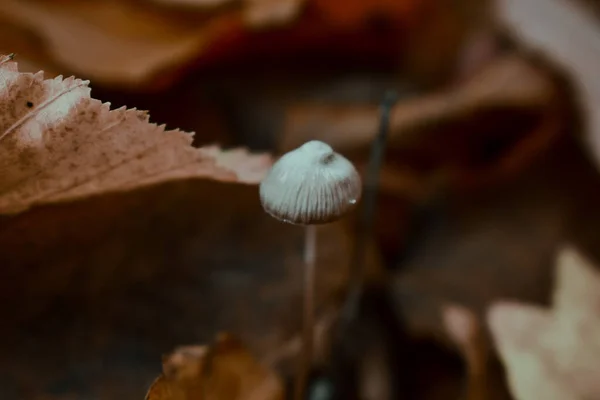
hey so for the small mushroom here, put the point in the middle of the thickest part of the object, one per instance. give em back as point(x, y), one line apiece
point(308, 186)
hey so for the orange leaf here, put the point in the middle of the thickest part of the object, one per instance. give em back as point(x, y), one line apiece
point(225, 371)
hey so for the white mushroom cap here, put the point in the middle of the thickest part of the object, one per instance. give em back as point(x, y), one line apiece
point(310, 185)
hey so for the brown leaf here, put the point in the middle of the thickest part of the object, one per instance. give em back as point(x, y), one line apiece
point(568, 33)
point(202, 4)
point(266, 13)
point(553, 354)
point(256, 13)
point(113, 42)
point(96, 272)
point(509, 81)
point(59, 144)
point(481, 246)
point(352, 13)
point(224, 371)
point(464, 329)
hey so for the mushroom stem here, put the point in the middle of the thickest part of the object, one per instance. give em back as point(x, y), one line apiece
point(310, 255)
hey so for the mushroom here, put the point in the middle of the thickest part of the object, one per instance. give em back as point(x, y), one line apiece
point(309, 186)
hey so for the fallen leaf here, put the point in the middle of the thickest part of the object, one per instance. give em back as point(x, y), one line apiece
point(465, 330)
point(203, 4)
point(267, 13)
point(352, 13)
point(342, 14)
point(509, 81)
point(567, 32)
point(224, 371)
point(250, 168)
point(438, 37)
point(146, 47)
point(554, 353)
point(83, 279)
point(256, 13)
point(481, 246)
point(59, 144)
point(113, 42)
point(472, 154)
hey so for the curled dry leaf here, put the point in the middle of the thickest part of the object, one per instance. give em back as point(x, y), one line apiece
point(464, 329)
point(462, 325)
point(224, 371)
point(58, 144)
point(554, 354)
point(509, 81)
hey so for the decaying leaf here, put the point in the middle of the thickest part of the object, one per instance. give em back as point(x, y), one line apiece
point(473, 154)
point(224, 371)
point(568, 33)
point(149, 45)
point(256, 13)
point(265, 13)
point(352, 13)
point(114, 42)
point(344, 14)
point(553, 354)
point(204, 4)
point(464, 329)
point(58, 144)
point(509, 81)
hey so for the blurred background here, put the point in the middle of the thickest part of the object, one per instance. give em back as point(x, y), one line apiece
point(490, 167)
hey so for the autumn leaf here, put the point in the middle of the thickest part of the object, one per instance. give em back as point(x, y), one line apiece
point(509, 80)
point(112, 42)
point(203, 4)
point(568, 33)
point(554, 353)
point(465, 331)
point(266, 13)
point(59, 144)
point(352, 13)
point(342, 14)
point(148, 45)
point(224, 371)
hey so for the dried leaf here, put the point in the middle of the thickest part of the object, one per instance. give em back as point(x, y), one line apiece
point(341, 14)
point(553, 354)
point(113, 42)
point(149, 46)
point(225, 371)
point(266, 13)
point(59, 144)
point(352, 13)
point(157, 260)
point(568, 33)
point(465, 330)
point(508, 81)
point(256, 13)
point(203, 4)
